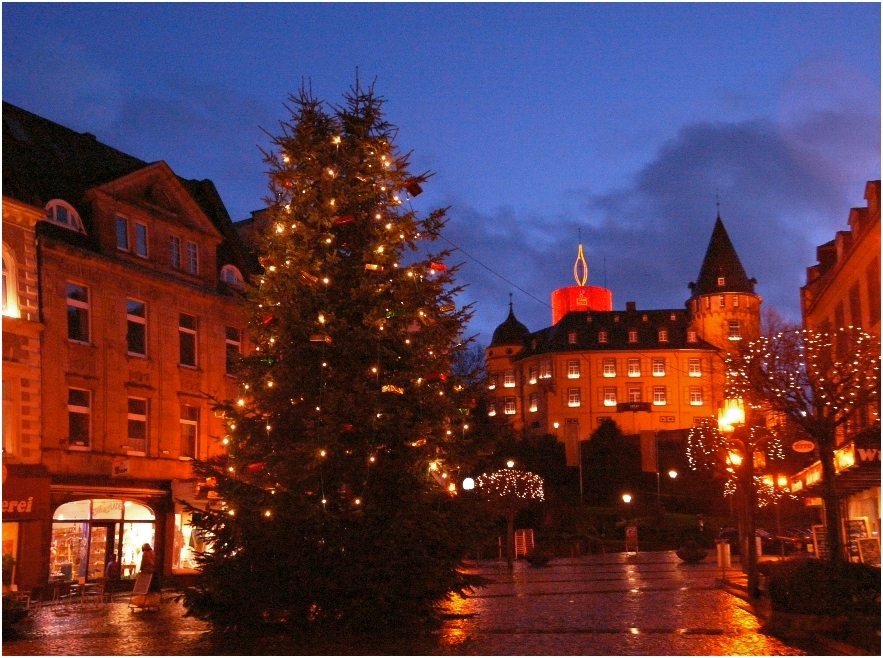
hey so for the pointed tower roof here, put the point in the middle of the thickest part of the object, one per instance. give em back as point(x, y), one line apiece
point(511, 332)
point(721, 262)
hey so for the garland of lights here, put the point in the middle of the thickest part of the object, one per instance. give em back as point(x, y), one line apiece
point(511, 484)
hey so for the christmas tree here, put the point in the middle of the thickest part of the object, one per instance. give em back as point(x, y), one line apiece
point(335, 500)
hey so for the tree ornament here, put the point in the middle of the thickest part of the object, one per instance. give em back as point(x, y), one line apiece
point(413, 188)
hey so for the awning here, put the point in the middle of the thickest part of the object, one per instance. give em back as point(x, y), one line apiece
point(857, 468)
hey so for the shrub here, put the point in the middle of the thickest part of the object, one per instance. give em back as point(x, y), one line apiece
point(814, 587)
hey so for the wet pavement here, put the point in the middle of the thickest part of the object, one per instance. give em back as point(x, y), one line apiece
point(617, 604)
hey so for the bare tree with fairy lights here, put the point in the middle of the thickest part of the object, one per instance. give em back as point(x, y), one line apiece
point(327, 510)
point(508, 491)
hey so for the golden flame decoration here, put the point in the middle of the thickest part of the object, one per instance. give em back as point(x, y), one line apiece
point(581, 268)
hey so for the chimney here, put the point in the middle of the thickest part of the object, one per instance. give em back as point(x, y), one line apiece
point(630, 307)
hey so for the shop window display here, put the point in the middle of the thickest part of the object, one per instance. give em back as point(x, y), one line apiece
point(86, 533)
point(188, 543)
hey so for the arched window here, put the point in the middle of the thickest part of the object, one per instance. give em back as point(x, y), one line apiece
point(231, 275)
point(62, 213)
point(10, 285)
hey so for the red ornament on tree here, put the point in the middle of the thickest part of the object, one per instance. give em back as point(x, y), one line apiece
point(413, 187)
point(343, 220)
point(256, 468)
point(268, 319)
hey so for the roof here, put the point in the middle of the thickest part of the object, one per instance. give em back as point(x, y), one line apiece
point(589, 325)
point(511, 332)
point(721, 261)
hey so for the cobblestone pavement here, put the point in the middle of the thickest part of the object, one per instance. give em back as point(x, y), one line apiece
point(645, 604)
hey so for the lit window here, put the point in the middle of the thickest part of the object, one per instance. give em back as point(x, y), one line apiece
point(663, 335)
point(573, 397)
point(189, 431)
point(136, 327)
point(721, 281)
point(609, 396)
point(602, 336)
point(722, 301)
point(571, 338)
point(573, 369)
point(532, 374)
point(79, 416)
point(633, 335)
point(234, 348)
point(137, 436)
point(77, 313)
point(708, 302)
point(735, 301)
point(694, 368)
point(62, 213)
point(10, 285)
point(696, 396)
point(634, 367)
point(509, 406)
point(634, 394)
point(609, 367)
point(122, 234)
point(545, 369)
point(492, 408)
point(141, 239)
point(692, 336)
point(659, 395)
point(659, 367)
point(534, 402)
point(192, 258)
point(232, 276)
point(187, 340)
point(492, 381)
point(175, 252)
point(735, 331)
point(509, 379)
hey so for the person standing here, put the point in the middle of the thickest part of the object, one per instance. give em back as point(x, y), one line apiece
point(148, 566)
point(111, 575)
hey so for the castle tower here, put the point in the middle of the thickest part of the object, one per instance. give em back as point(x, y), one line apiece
point(724, 307)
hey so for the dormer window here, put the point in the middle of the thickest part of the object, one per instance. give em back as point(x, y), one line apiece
point(692, 336)
point(721, 282)
point(231, 275)
point(62, 213)
point(633, 335)
point(602, 336)
point(663, 335)
point(571, 338)
point(672, 317)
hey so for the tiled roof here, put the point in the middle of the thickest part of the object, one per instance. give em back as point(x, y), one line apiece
point(511, 332)
point(721, 260)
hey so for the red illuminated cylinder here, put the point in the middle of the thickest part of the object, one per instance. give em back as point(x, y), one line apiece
point(580, 298)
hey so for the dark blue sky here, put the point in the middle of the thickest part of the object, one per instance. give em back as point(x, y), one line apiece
point(540, 120)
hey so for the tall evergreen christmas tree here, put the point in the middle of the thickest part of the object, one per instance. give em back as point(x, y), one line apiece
point(334, 500)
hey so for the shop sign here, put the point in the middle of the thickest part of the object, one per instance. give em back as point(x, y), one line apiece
point(803, 446)
point(633, 406)
point(25, 498)
point(813, 474)
point(119, 467)
point(844, 458)
point(867, 454)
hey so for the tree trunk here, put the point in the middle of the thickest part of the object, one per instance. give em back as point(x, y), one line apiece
point(831, 499)
point(510, 539)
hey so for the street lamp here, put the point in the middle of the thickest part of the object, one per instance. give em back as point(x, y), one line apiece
point(626, 498)
point(740, 454)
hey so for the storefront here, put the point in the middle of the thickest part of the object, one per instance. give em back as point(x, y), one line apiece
point(188, 495)
point(26, 515)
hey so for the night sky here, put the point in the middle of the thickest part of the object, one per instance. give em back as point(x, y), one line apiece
point(625, 122)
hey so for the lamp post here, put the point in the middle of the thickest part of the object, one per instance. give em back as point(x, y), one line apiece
point(731, 423)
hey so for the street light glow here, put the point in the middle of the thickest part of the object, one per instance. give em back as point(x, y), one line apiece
point(626, 498)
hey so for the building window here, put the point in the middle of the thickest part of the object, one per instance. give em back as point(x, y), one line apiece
point(855, 305)
point(492, 381)
point(735, 301)
point(62, 213)
point(141, 239)
point(189, 431)
point(79, 416)
point(234, 348)
point(122, 234)
point(696, 396)
point(492, 408)
point(175, 252)
point(721, 301)
point(187, 340)
point(659, 367)
point(609, 367)
point(708, 302)
point(573, 397)
point(192, 258)
point(659, 396)
point(232, 276)
point(635, 394)
point(10, 285)
point(534, 404)
point(602, 336)
point(509, 379)
point(694, 368)
point(609, 396)
point(633, 335)
point(663, 335)
point(571, 338)
point(137, 438)
point(532, 374)
point(634, 367)
point(734, 330)
point(136, 327)
point(573, 369)
point(77, 313)
point(545, 369)
point(509, 406)
point(721, 282)
point(692, 336)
